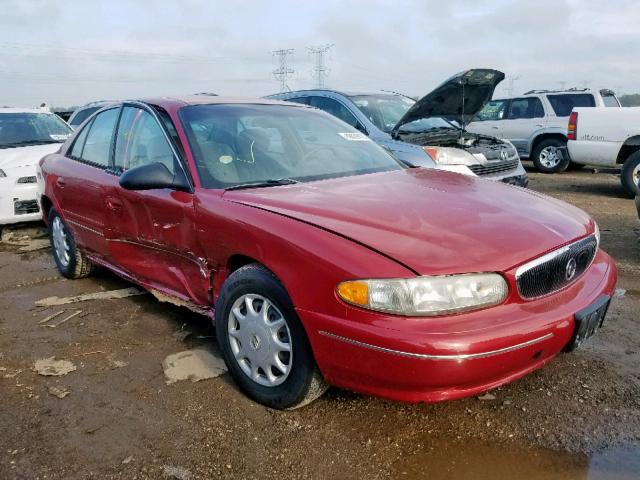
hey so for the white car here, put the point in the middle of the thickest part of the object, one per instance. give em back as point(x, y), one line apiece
point(536, 122)
point(25, 137)
point(607, 137)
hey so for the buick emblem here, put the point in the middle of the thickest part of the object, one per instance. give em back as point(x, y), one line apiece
point(255, 342)
point(570, 269)
point(503, 154)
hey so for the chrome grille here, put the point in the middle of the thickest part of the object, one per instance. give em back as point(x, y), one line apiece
point(494, 167)
point(556, 270)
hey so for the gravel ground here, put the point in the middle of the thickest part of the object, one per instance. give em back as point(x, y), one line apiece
point(120, 419)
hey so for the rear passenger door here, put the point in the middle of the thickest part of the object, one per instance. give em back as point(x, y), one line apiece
point(154, 235)
point(83, 180)
point(524, 117)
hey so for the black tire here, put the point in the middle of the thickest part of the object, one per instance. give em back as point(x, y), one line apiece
point(540, 147)
point(575, 166)
point(304, 382)
point(78, 265)
point(630, 177)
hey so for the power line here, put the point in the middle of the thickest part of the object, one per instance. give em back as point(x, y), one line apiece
point(320, 71)
point(283, 72)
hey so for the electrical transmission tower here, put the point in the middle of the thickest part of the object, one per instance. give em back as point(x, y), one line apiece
point(511, 82)
point(283, 72)
point(320, 71)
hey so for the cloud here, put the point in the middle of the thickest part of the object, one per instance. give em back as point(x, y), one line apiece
point(71, 52)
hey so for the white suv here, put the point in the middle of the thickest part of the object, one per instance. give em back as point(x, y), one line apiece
point(536, 122)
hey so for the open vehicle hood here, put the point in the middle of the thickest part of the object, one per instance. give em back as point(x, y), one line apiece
point(446, 100)
point(431, 221)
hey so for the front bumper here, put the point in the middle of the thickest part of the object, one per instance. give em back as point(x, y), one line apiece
point(18, 202)
point(442, 358)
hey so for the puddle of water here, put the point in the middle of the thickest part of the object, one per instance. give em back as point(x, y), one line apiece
point(477, 461)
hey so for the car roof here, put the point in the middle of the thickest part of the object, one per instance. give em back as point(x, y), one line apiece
point(177, 102)
point(23, 110)
point(346, 93)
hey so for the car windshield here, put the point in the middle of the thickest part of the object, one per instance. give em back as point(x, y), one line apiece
point(22, 129)
point(240, 145)
point(385, 111)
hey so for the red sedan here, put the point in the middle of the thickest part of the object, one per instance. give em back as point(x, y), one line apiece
point(322, 259)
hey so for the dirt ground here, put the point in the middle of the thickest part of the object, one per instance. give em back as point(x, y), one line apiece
point(578, 417)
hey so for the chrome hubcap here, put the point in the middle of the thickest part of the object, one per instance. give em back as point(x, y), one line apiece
point(549, 157)
point(60, 242)
point(635, 175)
point(260, 340)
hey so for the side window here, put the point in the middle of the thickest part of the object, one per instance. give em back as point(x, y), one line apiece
point(494, 110)
point(563, 103)
point(335, 108)
point(78, 144)
point(302, 100)
point(141, 141)
point(525, 108)
point(98, 142)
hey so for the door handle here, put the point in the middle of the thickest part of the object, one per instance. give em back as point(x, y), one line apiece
point(495, 128)
point(113, 204)
point(60, 182)
point(539, 125)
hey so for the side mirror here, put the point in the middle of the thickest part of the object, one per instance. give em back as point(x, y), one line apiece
point(153, 176)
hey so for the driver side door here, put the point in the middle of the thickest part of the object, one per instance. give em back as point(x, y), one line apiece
point(490, 120)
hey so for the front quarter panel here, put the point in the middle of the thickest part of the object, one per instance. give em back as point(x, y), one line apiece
point(309, 261)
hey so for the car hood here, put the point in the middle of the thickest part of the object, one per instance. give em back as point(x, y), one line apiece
point(432, 222)
point(445, 101)
point(27, 156)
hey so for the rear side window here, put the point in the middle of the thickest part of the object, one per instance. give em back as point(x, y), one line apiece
point(141, 141)
point(334, 108)
point(562, 104)
point(525, 108)
point(98, 142)
point(82, 115)
point(78, 144)
point(610, 101)
point(302, 100)
point(494, 110)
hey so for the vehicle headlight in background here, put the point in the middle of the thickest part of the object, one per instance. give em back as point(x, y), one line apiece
point(2, 174)
point(427, 295)
point(450, 156)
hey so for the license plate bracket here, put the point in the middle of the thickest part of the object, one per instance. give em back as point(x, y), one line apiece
point(588, 321)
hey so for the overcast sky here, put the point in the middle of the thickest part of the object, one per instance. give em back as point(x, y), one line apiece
point(71, 52)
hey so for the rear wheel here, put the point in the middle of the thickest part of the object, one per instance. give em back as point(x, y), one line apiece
point(71, 262)
point(263, 341)
point(630, 175)
point(547, 158)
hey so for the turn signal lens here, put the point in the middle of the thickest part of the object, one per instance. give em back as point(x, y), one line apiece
point(356, 292)
point(572, 128)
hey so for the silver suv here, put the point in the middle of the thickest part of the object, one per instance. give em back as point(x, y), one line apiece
point(536, 122)
point(430, 132)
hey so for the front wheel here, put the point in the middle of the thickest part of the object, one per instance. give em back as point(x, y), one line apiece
point(630, 175)
point(263, 341)
point(71, 262)
point(547, 157)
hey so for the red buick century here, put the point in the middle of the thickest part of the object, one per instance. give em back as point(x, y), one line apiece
point(321, 258)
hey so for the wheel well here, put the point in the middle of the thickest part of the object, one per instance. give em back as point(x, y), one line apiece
point(46, 205)
point(237, 261)
point(546, 136)
point(630, 146)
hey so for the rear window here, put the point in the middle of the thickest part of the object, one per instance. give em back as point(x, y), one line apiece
point(562, 104)
point(610, 101)
point(82, 115)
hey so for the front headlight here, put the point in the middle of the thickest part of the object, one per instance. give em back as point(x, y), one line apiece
point(2, 174)
point(450, 156)
point(426, 296)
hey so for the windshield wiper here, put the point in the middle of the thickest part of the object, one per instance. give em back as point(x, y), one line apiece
point(29, 142)
point(264, 183)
